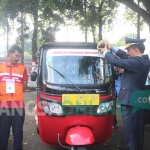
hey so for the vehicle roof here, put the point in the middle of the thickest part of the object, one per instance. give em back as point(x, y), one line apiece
point(73, 45)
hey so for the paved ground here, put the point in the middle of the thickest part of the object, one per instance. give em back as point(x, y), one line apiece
point(32, 140)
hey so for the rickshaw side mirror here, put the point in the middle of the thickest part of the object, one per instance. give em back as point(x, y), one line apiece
point(116, 74)
point(33, 76)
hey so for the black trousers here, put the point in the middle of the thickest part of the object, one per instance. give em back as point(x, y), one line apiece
point(115, 117)
point(147, 120)
point(11, 117)
point(133, 123)
point(114, 112)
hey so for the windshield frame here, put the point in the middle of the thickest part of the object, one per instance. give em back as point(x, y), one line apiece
point(69, 84)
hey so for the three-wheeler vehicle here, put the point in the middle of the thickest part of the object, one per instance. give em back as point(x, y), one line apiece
point(75, 95)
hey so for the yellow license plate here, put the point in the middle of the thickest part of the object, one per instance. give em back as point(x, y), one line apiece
point(80, 99)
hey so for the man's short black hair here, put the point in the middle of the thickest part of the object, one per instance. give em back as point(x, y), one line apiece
point(141, 47)
point(14, 48)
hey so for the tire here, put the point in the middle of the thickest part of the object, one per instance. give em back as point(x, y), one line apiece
point(81, 148)
point(72, 148)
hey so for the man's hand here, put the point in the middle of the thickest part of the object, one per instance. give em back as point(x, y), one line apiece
point(24, 85)
point(120, 70)
point(111, 46)
point(102, 47)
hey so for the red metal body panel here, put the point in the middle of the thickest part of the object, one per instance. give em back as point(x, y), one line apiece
point(79, 136)
point(50, 126)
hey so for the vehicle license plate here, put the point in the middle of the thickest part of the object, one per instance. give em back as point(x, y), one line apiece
point(80, 99)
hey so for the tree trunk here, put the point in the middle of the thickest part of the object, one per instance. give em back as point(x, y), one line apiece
point(138, 24)
point(100, 28)
point(85, 21)
point(34, 38)
point(22, 39)
point(93, 32)
point(7, 36)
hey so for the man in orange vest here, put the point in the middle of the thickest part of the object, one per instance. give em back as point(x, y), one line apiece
point(13, 81)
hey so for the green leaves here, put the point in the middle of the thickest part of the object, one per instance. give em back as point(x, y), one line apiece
point(143, 9)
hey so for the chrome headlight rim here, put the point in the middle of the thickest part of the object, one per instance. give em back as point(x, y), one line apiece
point(107, 105)
point(49, 107)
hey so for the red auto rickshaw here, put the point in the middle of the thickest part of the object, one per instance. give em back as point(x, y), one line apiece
point(75, 95)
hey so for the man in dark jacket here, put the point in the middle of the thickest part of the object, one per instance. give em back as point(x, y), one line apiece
point(136, 67)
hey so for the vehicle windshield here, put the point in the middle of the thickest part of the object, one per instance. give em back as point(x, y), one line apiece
point(83, 66)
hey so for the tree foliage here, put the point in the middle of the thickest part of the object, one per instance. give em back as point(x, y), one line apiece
point(143, 10)
point(121, 41)
point(45, 14)
point(48, 15)
point(12, 10)
point(133, 16)
point(98, 14)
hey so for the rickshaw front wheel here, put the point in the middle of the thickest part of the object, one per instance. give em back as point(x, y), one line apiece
point(72, 148)
point(81, 148)
point(78, 148)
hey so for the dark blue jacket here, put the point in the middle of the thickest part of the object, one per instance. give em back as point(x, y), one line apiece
point(135, 73)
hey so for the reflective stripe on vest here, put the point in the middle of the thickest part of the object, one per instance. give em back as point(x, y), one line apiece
point(15, 73)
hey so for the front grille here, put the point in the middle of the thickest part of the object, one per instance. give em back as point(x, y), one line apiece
point(79, 110)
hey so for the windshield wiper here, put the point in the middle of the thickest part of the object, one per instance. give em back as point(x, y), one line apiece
point(65, 78)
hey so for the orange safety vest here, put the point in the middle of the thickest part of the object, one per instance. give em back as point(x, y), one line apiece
point(16, 74)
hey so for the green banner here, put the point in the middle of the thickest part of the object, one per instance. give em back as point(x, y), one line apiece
point(140, 99)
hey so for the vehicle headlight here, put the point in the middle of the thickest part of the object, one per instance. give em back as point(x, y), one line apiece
point(105, 107)
point(52, 108)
